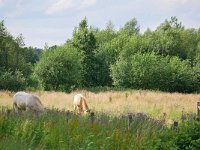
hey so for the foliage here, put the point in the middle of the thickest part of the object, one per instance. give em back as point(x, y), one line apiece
point(171, 54)
point(33, 83)
point(12, 81)
point(54, 130)
point(185, 137)
point(151, 71)
point(104, 55)
point(84, 41)
point(16, 61)
point(60, 68)
point(170, 38)
point(130, 28)
point(108, 52)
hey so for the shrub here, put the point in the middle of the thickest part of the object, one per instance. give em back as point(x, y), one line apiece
point(33, 83)
point(60, 69)
point(185, 137)
point(152, 71)
point(13, 81)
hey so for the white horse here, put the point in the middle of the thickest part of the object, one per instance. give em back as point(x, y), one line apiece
point(80, 104)
point(27, 102)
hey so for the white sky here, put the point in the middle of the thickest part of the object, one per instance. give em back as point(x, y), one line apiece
point(53, 21)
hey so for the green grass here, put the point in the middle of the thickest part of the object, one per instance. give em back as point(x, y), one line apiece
point(53, 130)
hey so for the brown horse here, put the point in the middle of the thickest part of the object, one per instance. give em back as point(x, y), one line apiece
point(80, 104)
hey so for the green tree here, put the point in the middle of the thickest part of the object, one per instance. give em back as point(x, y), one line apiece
point(13, 81)
point(84, 41)
point(130, 28)
point(152, 71)
point(110, 43)
point(60, 69)
point(12, 53)
point(13, 69)
point(5, 43)
point(167, 39)
point(104, 55)
point(190, 43)
point(105, 35)
point(16, 60)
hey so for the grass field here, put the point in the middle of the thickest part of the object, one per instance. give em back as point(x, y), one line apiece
point(56, 130)
point(118, 102)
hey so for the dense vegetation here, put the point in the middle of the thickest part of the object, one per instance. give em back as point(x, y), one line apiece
point(54, 130)
point(166, 59)
point(16, 61)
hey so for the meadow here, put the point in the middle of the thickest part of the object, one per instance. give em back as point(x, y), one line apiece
point(57, 130)
point(119, 102)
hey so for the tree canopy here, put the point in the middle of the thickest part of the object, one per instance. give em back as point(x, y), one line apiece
point(166, 59)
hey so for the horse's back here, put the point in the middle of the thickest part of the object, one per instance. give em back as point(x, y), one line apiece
point(20, 97)
point(77, 99)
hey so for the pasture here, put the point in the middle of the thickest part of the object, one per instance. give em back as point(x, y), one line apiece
point(57, 130)
point(119, 102)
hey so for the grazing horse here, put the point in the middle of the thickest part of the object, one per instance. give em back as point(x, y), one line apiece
point(80, 104)
point(23, 101)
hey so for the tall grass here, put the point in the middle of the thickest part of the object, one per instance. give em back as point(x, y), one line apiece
point(56, 130)
point(117, 102)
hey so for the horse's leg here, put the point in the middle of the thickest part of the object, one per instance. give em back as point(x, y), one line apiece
point(75, 108)
point(28, 109)
point(14, 107)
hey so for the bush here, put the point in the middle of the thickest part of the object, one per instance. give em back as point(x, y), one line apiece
point(33, 83)
point(151, 71)
point(13, 81)
point(185, 137)
point(60, 69)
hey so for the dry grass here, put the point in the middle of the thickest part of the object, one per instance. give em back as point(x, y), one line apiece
point(115, 103)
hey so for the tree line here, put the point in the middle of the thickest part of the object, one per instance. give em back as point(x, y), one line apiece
point(166, 59)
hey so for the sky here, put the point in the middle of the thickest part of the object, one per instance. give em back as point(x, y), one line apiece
point(53, 21)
